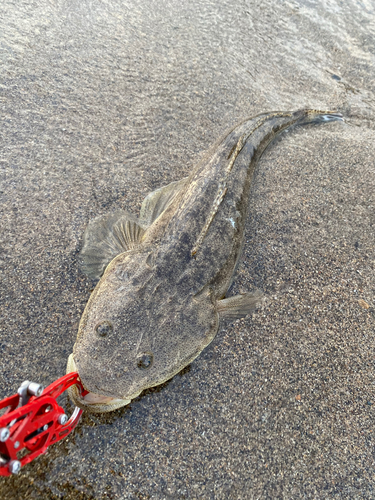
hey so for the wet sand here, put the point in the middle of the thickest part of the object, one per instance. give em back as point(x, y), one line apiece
point(102, 103)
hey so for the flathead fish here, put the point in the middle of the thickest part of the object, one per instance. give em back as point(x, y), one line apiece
point(164, 276)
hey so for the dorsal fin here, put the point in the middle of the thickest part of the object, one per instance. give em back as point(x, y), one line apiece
point(156, 202)
point(106, 237)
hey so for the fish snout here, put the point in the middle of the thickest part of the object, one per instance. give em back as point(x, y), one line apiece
point(92, 402)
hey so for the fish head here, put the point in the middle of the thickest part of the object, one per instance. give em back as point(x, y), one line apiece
point(137, 332)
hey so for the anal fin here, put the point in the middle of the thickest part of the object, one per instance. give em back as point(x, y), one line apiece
point(238, 306)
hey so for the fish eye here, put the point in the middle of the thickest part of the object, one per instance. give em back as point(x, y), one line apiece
point(104, 328)
point(145, 360)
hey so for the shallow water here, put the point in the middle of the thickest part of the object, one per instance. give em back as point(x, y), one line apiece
point(104, 101)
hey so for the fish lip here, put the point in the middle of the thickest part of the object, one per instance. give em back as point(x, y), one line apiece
point(92, 406)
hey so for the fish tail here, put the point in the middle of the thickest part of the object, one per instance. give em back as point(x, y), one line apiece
point(318, 116)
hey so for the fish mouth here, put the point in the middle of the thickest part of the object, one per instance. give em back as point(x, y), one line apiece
point(92, 402)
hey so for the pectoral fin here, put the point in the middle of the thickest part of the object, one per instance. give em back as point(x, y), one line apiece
point(239, 305)
point(156, 202)
point(108, 236)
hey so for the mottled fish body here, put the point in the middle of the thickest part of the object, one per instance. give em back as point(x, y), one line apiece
point(165, 275)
